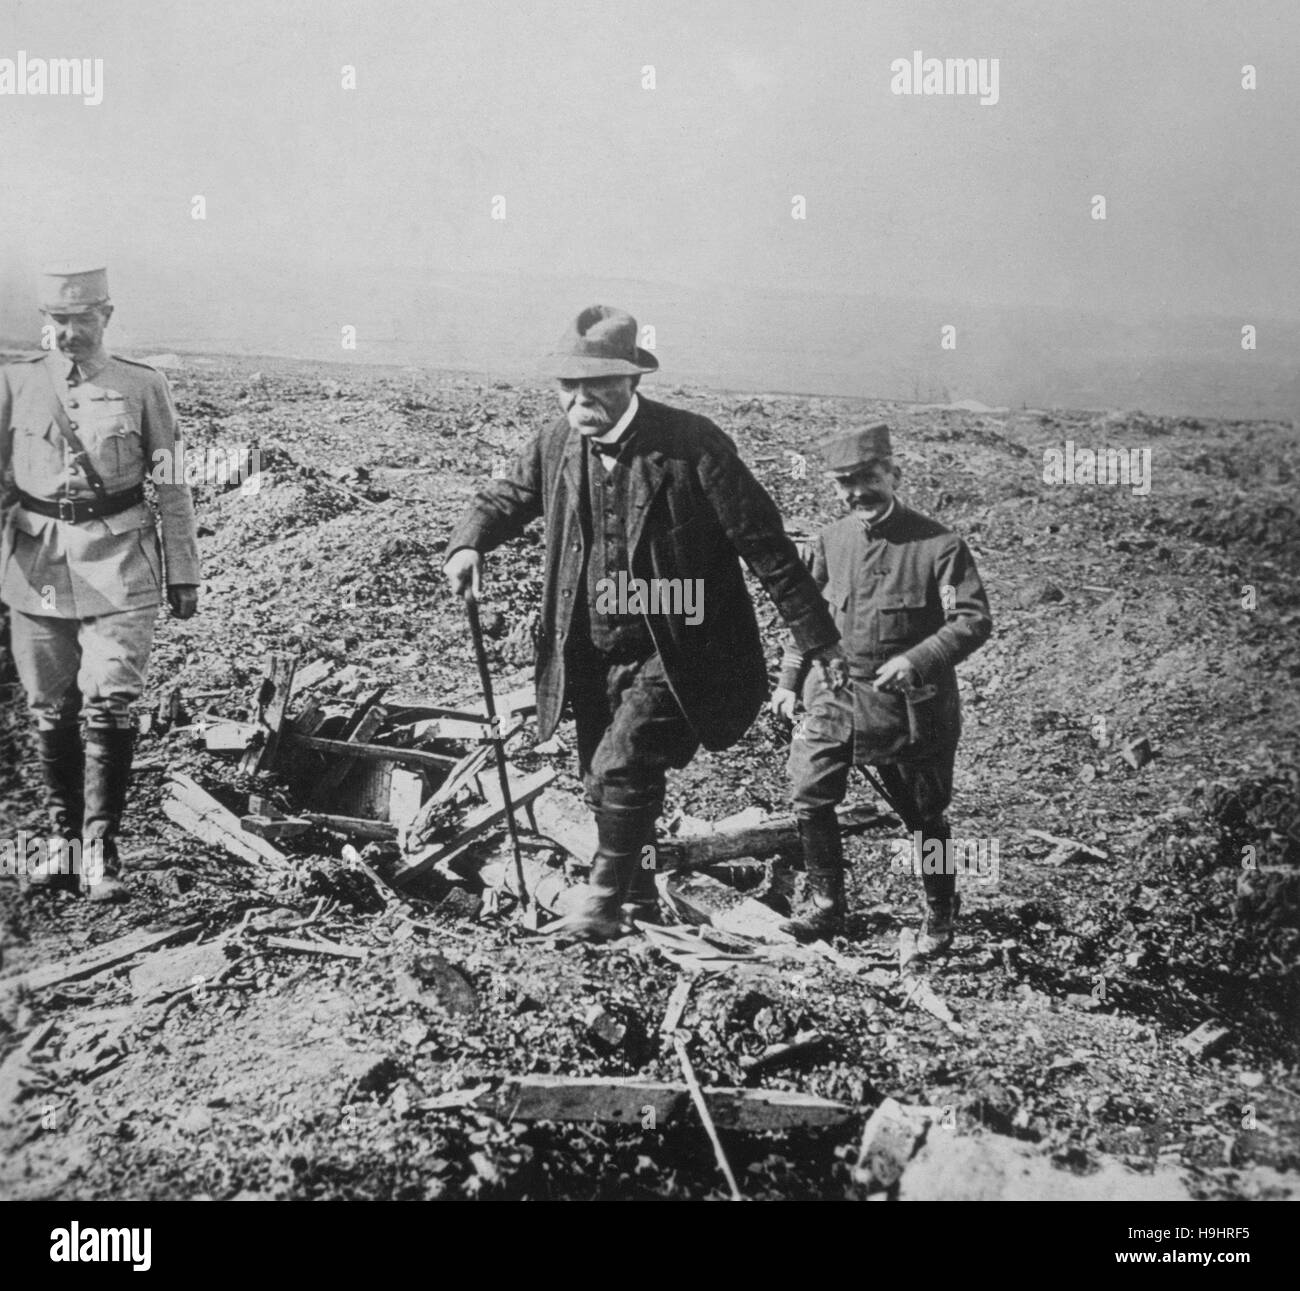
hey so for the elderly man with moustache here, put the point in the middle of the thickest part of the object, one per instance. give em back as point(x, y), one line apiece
point(910, 606)
point(81, 566)
point(633, 489)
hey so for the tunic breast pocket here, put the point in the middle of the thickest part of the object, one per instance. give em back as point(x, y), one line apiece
point(903, 619)
point(113, 442)
point(36, 454)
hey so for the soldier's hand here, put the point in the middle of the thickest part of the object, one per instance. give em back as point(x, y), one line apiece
point(833, 665)
point(896, 674)
point(464, 570)
point(183, 599)
point(782, 703)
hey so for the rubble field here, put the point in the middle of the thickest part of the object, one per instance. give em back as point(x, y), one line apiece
point(1119, 1016)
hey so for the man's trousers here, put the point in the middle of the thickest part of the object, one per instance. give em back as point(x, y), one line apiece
point(82, 667)
point(822, 752)
point(630, 728)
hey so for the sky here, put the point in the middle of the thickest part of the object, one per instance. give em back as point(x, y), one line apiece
point(326, 205)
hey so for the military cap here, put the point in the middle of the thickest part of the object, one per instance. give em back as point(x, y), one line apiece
point(73, 287)
point(845, 453)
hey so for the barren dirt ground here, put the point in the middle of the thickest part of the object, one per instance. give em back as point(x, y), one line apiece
point(1072, 983)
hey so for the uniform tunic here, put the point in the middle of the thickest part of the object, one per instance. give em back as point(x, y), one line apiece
point(84, 596)
point(123, 413)
point(904, 586)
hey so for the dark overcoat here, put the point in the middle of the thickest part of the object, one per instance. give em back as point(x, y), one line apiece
point(694, 508)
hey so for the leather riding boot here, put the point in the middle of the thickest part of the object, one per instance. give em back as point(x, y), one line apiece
point(942, 908)
point(62, 769)
point(629, 832)
point(108, 776)
point(621, 834)
point(822, 914)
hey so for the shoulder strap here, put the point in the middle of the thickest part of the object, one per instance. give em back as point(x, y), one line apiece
point(93, 477)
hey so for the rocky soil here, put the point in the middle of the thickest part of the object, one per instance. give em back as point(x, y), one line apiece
point(1170, 616)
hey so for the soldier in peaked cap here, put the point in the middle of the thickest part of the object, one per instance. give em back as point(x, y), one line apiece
point(909, 604)
point(633, 489)
point(81, 567)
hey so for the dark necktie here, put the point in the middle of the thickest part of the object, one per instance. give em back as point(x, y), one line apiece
point(74, 375)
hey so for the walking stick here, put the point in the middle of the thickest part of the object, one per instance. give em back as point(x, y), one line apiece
point(480, 656)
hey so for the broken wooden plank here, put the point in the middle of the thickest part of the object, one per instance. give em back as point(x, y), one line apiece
point(365, 791)
point(803, 1045)
point(107, 955)
point(569, 823)
point(195, 810)
point(313, 673)
point(272, 704)
point(677, 1002)
point(406, 790)
point(229, 737)
point(309, 720)
point(1206, 1040)
point(775, 836)
point(702, 1107)
point(477, 822)
point(631, 1101)
point(357, 731)
point(273, 828)
point(318, 947)
point(354, 826)
point(459, 775)
point(918, 992)
point(380, 752)
point(1070, 846)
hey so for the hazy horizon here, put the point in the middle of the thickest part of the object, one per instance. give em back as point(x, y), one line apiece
point(327, 207)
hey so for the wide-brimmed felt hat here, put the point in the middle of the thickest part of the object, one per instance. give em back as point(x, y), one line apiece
point(73, 287)
point(600, 343)
point(845, 453)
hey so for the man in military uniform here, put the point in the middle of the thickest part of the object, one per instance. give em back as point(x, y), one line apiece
point(910, 606)
point(634, 490)
point(80, 566)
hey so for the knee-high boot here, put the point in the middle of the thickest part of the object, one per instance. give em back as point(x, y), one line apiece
point(621, 835)
point(108, 777)
point(62, 769)
point(823, 859)
point(942, 904)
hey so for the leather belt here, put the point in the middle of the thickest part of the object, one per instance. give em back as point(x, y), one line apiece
point(79, 510)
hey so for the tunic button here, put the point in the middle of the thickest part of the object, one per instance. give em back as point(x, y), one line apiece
point(72, 403)
point(73, 424)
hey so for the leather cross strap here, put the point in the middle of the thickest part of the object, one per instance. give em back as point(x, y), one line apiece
point(64, 424)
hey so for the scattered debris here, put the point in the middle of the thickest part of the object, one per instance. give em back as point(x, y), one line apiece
point(631, 1101)
point(1207, 1040)
point(1137, 753)
point(430, 979)
point(890, 1139)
